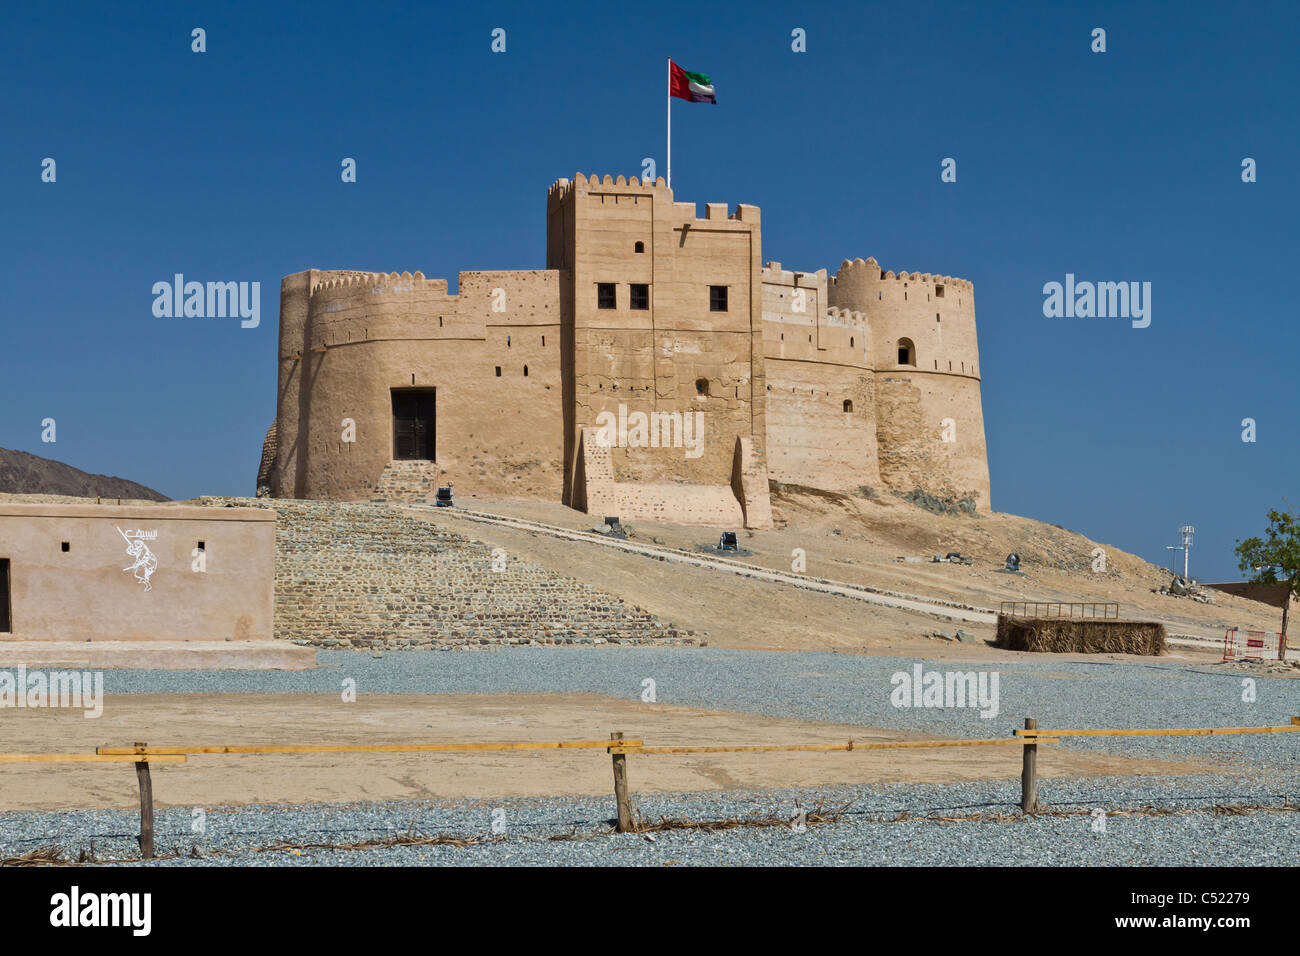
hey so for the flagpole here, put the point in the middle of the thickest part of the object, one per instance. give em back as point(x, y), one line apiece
point(670, 122)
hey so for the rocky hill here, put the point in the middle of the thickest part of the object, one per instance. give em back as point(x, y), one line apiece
point(24, 474)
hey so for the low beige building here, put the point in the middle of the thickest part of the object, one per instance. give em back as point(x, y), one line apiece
point(1275, 595)
point(136, 573)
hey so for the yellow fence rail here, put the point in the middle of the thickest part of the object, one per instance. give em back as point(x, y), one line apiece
point(364, 748)
point(629, 748)
point(1028, 739)
point(1159, 732)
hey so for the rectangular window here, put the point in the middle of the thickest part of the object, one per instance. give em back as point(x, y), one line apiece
point(640, 297)
point(606, 298)
point(938, 292)
point(717, 298)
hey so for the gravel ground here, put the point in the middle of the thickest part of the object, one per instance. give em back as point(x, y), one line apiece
point(866, 834)
point(837, 688)
point(849, 689)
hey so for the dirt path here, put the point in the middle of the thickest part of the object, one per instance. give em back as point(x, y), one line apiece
point(857, 540)
point(727, 610)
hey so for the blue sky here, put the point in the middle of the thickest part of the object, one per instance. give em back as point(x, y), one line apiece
point(1117, 166)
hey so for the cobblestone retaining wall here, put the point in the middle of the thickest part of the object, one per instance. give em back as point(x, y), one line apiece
point(354, 574)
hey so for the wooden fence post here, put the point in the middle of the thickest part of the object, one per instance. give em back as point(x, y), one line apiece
point(146, 805)
point(1029, 772)
point(620, 789)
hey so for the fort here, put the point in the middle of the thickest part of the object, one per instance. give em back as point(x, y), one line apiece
point(390, 386)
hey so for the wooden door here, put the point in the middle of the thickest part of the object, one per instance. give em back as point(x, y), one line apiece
point(413, 425)
point(5, 620)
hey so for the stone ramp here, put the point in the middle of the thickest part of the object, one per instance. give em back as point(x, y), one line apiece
point(354, 574)
point(935, 607)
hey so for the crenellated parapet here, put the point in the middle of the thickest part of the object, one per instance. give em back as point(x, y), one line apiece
point(846, 318)
point(919, 320)
point(863, 269)
point(618, 187)
point(375, 282)
point(345, 307)
point(565, 189)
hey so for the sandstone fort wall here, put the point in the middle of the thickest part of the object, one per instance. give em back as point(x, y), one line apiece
point(821, 414)
point(495, 374)
point(646, 310)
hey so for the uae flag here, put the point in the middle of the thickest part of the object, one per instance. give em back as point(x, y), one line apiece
point(696, 87)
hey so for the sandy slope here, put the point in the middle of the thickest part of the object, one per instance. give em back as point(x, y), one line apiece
point(858, 540)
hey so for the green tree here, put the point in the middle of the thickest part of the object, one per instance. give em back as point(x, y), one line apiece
point(1275, 559)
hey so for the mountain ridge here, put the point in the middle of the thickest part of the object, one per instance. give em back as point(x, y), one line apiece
point(27, 474)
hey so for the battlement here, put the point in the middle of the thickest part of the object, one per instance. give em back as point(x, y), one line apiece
point(563, 189)
point(382, 281)
point(773, 273)
point(846, 318)
point(869, 270)
point(716, 212)
point(815, 283)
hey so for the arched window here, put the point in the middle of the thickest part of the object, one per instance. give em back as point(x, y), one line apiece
point(848, 405)
point(906, 352)
point(702, 386)
point(525, 371)
point(639, 247)
point(850, 341)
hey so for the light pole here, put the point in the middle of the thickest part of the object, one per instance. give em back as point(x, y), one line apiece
point(1186, 531)
point(1186, 547)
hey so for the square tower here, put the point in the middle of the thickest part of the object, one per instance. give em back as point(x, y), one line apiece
point(665, 320)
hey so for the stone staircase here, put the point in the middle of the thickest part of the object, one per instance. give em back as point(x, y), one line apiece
point(407, 481)
point(354, 574)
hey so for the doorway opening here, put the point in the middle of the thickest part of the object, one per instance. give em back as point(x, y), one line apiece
point(5, 617)
point(414, 424)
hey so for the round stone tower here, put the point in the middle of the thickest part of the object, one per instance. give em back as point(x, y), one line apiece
point(929, 423)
